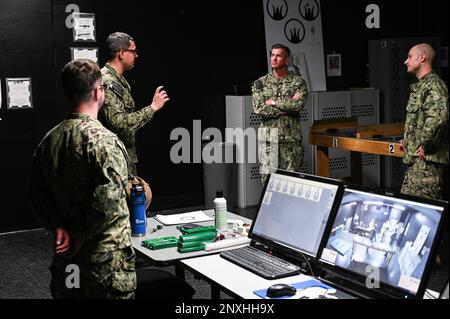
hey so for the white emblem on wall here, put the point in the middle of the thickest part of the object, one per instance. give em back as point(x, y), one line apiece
point(298, 25)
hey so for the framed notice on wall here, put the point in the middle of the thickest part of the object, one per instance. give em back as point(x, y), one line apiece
point(83, 27)
point(334, 65)
point(18, 93)
point(84, 53)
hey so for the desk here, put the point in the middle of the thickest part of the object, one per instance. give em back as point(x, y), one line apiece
point(346, 134)
point(234, 280)
point(170, 256)
point(240, 283)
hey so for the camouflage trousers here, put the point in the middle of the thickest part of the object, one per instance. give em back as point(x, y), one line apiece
point(424, 179)
point(273, 156)
point(108, 275)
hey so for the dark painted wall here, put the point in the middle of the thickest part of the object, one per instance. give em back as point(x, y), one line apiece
point(25, 51)
point(345, 32)
point(199, 51)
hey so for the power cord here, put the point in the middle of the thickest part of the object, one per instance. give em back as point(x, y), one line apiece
point(309, 266)
point(307, 262)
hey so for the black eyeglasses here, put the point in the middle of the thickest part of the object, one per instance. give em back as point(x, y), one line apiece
point(103, 86)
point(135, 51)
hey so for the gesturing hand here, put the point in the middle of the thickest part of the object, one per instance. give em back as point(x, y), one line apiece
point(159, 99)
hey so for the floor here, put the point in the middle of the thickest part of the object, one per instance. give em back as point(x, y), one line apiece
point(25, 257)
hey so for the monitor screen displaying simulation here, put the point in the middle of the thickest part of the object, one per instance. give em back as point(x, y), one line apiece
point(294, 212)
point(382, 235)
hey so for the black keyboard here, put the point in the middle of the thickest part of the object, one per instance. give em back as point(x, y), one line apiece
point(260, 262)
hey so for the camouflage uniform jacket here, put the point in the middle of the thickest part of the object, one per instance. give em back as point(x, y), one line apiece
point(118, 112)
point(78, 182)
point(282, 91)
point(427, 120)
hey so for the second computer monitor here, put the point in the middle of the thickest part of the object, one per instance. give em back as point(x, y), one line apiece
point(385, 242)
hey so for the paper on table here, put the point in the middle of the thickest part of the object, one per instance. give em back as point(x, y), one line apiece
point(190, 217)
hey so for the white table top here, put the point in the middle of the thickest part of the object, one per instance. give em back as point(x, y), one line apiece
point(233, 278)
point(169, 256)
point(236, 280)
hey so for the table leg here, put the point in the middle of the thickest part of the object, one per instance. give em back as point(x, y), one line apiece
point(356, 167)
point(179, 271)
point(323, 159)
point(215, 293)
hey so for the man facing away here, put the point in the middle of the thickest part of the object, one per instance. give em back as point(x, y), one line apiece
point(77, 189)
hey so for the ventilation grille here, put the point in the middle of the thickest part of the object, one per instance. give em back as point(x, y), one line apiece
point(363, 110)
point(334, 112)
point(255, 119)
point(338, 163)
point(304, 115)
point(305, 168)
point(368, 159)
point(254, 173)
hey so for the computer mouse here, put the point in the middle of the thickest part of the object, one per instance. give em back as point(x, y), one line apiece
point(280, 290)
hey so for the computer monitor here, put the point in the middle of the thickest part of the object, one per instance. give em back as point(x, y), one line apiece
point(294, 211)
point(385, 243)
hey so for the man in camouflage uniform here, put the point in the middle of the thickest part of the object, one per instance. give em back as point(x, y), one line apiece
point(426, 128)
point(77, 189)
point(279, 97)
point(118, 113)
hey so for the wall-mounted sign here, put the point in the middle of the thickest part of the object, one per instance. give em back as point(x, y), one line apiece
point(84, 53)
point(83, 27)
point(334, 65)
point(18, 93)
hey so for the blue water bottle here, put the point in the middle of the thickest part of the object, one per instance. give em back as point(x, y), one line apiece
point(137, 210)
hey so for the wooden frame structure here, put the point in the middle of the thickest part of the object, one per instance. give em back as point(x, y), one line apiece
point(346, 134)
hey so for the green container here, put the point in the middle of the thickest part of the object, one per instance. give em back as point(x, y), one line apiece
point(199, 247)
point(198, 237)
point(196, 230)
point(190, 244)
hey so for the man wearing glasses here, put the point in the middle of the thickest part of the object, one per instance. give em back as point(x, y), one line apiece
point(118, 113)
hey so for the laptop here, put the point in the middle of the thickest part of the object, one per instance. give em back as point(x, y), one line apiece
point(293, 215)
point(383, 245)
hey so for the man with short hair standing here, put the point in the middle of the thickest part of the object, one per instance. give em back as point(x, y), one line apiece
point(77, 189)
point(118, 113)
point(279, 97)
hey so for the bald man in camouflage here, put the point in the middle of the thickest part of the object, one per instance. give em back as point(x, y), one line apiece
point(118, 113)
point(426, 129)
point(279, 97)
